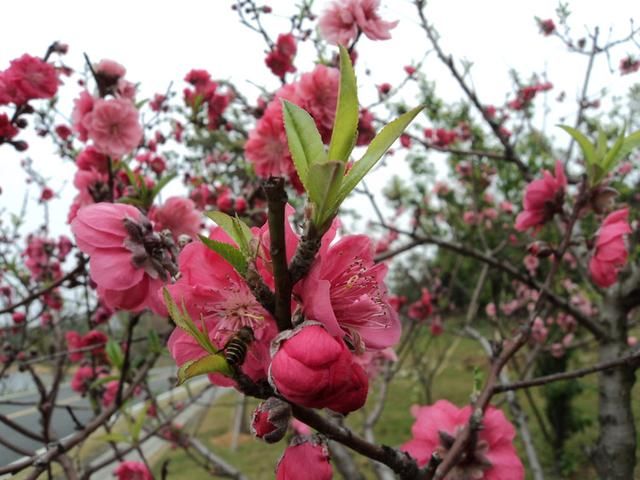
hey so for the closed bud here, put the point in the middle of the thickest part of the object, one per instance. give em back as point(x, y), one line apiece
point(603, 199)
point(20, 145)
point(305, 458)
point(21, 123)
point(271, 420)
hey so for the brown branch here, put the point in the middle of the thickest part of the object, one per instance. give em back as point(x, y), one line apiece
point(34, 296)
point(276, 202)
point(629, 360)
point(510, 154)
point(400, 462)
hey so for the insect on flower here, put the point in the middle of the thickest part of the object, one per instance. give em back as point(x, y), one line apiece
point(235, 350)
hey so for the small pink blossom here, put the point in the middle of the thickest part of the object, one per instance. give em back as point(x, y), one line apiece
point(114, 127)
point(610, 253)
point(83, 105)
point(542, 199)
point(280, 58)
point(340, 23)
point(495, 456)
point(133, 471)
point(179, 215)
point(531, 263)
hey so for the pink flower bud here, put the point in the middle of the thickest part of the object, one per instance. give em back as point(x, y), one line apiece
point(305, 458)
point(314, 369)
point(271, 420)
point(18, 317)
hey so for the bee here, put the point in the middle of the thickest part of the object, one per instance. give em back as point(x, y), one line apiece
point(235, 350)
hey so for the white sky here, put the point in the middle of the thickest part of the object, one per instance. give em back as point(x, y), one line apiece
point(158, 42)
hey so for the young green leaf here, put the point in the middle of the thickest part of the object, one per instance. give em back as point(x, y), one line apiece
point(113, 437)
point(588, 150)
point(236, 229)
point(345, 125)
point(215, 363)
point(136, 427)
point(163, 182)
point(114, 354)
point(631, 142)
point(379, 145)
point(231, 254)
point(183, 321)
point(324, 184)
point(611, 157)
point(303, 138)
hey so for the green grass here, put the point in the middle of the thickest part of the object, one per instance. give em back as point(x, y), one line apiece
point(455, 382)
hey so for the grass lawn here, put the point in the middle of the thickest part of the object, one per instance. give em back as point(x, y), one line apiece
point(257, 460)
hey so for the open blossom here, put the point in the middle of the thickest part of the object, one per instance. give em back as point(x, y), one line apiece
point(494, 457)
point(280, 58)
point(610, 252)
point(212, 290)
point(314, 369)
point(179, 215)
point(83, 105)
point(345, 291)
point(113, 126)
point(133, 471)
point(317, 93)
point(341, 22)
point(306, 458)
point(29, 78)
point(129, 262)
point(542, 199)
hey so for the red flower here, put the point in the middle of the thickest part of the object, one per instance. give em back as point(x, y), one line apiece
point(542, 199)
point(280, 58)
point(315, 369)
point(494, 457)
point(271, 420)
point(30, 77)
point(610, 252)
point(547, 27)
point(133, 471)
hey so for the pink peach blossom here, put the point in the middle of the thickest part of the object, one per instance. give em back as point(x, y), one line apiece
point(610, 253)
point(30, 78)
point(542, 199)
point(179, 215)
point(129, 262)
point(212, 290)
point(340, 23)
point(495, 456)
point(83, 105)
point(133, 471)
point(113, 126)
point(345, 291)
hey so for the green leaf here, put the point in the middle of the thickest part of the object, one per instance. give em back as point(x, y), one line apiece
point(230, 253)
point(303, 138)
point(114, 354)
point(136, 428)
point(587, 147)
point(379, 145)
point(236, 229)
point(609, 160)
point(631, 142)
point(103, 380)
point(324, 184)
point(601, 144)
point(132, 201)
point(184, 321)
point(163, 182)
point(345, 125)
point(215, 363)
point(154, 341)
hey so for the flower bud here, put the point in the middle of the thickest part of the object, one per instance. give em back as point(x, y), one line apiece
point(314, 369)
point(603, 199)
point(271, 420)
point(305, 458)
